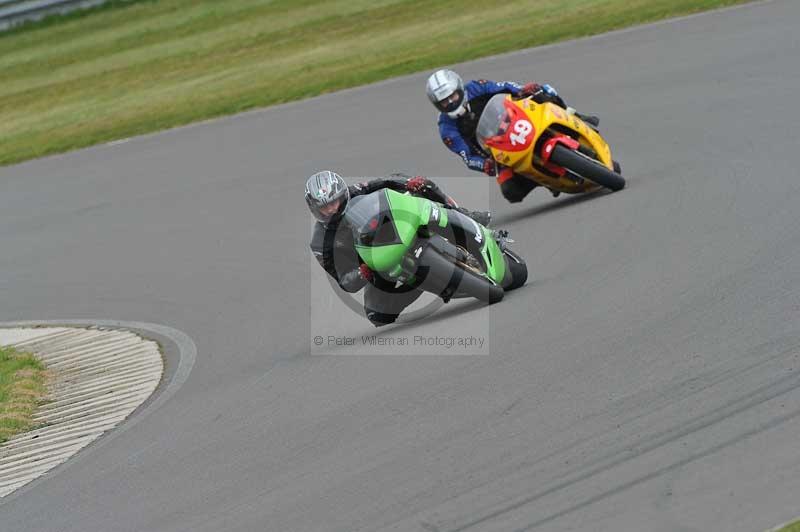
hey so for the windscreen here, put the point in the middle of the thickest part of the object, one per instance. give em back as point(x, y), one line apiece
point(362, 209)
point(370, 218)
point(494, 120)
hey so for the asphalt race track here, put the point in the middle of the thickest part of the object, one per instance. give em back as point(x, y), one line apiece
point(647, 378)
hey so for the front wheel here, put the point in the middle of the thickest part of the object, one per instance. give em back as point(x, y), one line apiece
point(587, 168)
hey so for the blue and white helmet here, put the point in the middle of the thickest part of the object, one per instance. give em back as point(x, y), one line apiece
point(445, 90)
point(327, 196)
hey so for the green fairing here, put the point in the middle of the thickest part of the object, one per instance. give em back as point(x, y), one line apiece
point(381, 258)
point(496, 267)
point(408, 213)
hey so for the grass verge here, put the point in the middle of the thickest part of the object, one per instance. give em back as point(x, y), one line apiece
point(22, 387)
point(793, 527)
point(148, 65)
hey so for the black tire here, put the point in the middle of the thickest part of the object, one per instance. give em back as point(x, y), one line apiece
point(517, 268)
point(443, 271)
point(587, 168)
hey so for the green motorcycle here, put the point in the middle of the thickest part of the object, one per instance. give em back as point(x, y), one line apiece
point(424, 245)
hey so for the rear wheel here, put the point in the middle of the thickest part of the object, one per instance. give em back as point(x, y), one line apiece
point(587, 168)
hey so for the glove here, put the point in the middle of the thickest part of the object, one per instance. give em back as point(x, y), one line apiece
point(530, 88)
point(364, 272)
point(418, 184)
point(489, 167)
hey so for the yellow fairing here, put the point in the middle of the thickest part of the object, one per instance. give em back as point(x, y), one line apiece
point(542, 117)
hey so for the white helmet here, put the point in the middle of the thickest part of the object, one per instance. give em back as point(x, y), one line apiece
point(446, 92)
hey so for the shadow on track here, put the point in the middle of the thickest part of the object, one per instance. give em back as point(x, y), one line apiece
point(547, 207)
point(452, 310)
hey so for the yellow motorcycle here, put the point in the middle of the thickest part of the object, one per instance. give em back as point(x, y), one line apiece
point(547, 144)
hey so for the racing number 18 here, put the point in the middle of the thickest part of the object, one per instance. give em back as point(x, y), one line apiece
point(522, 128)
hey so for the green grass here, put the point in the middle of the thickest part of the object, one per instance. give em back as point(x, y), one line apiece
point(794, 527)
point(142, 66)
point(22, 387)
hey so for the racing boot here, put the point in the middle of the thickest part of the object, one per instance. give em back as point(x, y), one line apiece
point(502, 239)
point(482, 217)
point(589, 119)
point(592, 120)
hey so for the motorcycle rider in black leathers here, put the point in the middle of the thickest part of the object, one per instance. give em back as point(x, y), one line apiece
point(327, 195)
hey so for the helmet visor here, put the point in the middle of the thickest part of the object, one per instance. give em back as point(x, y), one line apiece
point(451, 103)
point(329, 209)
point(328, 212)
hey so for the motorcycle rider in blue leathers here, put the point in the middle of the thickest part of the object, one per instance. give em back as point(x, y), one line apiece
point(461, 104)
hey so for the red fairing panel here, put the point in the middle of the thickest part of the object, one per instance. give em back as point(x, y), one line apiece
point(516, 132)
